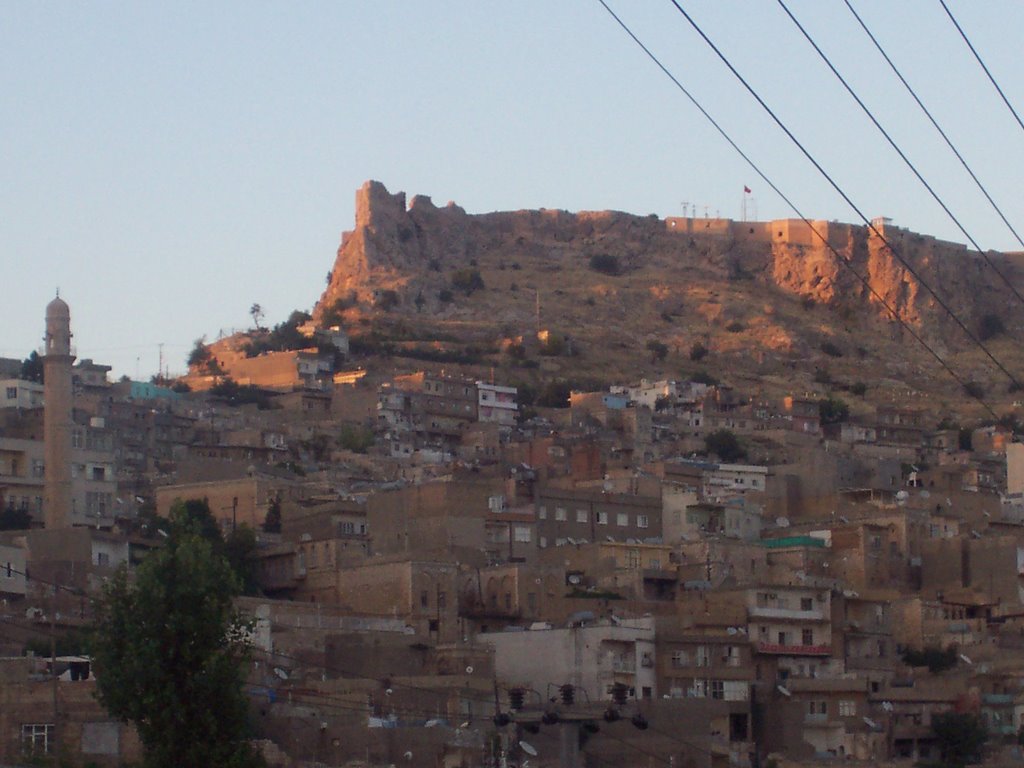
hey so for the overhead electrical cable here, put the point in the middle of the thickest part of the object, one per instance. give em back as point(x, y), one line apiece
point(999, 90)
point(900, 152)
point(824, 240)
point(832, 182)
point(935, 123)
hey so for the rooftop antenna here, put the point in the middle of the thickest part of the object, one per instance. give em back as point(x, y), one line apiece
point(686, 206)
point(537, 300)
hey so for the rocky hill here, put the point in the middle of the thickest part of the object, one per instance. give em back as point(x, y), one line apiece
point(769, 301)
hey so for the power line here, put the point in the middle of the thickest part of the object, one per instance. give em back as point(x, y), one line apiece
point(899, 151)
point(824, 240)
point(839, 190)
point(935, 123)
point(999, 90)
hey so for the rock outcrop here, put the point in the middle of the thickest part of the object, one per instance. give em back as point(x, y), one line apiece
point(409, 252)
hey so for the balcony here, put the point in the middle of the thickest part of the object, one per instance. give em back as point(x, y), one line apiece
point(997, 698)
point(794, 650)
point(760, 612)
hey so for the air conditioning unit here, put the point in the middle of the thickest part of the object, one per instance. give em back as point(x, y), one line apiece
point(646, 660)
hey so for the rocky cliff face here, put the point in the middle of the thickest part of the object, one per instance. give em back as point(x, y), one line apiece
point(413, 250)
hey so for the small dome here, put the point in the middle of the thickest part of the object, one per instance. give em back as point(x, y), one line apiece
point(58, 308)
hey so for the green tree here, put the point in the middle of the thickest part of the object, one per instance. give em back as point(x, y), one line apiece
point(832, 410)
point(725, 445)
point(239, 547)
point(272, 522)
point(200, 355)
point(257, 315)
point(169, 654)
point(14, 519)
point(658, 350)
point(32, 368)
point(961, 737)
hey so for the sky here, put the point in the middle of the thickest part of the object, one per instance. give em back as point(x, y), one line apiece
point(167, 165)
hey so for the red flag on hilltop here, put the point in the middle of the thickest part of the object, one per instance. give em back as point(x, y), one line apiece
point(746, 190)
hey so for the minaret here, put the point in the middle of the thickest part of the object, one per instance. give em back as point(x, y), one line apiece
point(57, 422)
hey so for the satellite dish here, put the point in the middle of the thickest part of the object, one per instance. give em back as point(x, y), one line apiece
point(925, 494)
point(408, 755)
point(783, 691)
point(965, 659)
point(610, 538)
point(528, 748)
point(574, 579)
point(469, 670)
point(782, 522)
point(844, 519)
point(902, 495)
point(731, 631)
point(571, 540)
point(280, 673)
point(431, 723)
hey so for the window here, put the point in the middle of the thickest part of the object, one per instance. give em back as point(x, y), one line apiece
point(731, 656)
point(736, 690)
point(622, 519)
point(806, 604)
point(542, 513)
point(542, 542)
point(12, 393)
point(817, 708)
point(602, 518)
point(582, 516)
point(680, 659)
point(522, 534)
point(807, 637)
point(36, 738)
point(716, 689)
point(633, 558)
point(654, 563)
point(847, 708)
point(641, 521)
point(703, 657)
point(424, 599)
point(560, 514)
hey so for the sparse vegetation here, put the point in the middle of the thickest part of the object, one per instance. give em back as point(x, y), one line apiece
point(355, 438)
point(703, 377)
point(975, 389)
point(990, 326)
point(467, 280)
point(698, 351)
point(830, 349)
point(858, 388)
point(606, 264)
point(387, 300)
point(284, 336)
point(735, 327)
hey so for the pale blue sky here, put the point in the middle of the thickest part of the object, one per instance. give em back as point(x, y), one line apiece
point(169, 164)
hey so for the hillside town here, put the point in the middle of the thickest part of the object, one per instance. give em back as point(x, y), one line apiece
point(444, 570)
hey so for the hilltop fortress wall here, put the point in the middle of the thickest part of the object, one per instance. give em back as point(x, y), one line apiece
point(414, 250)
